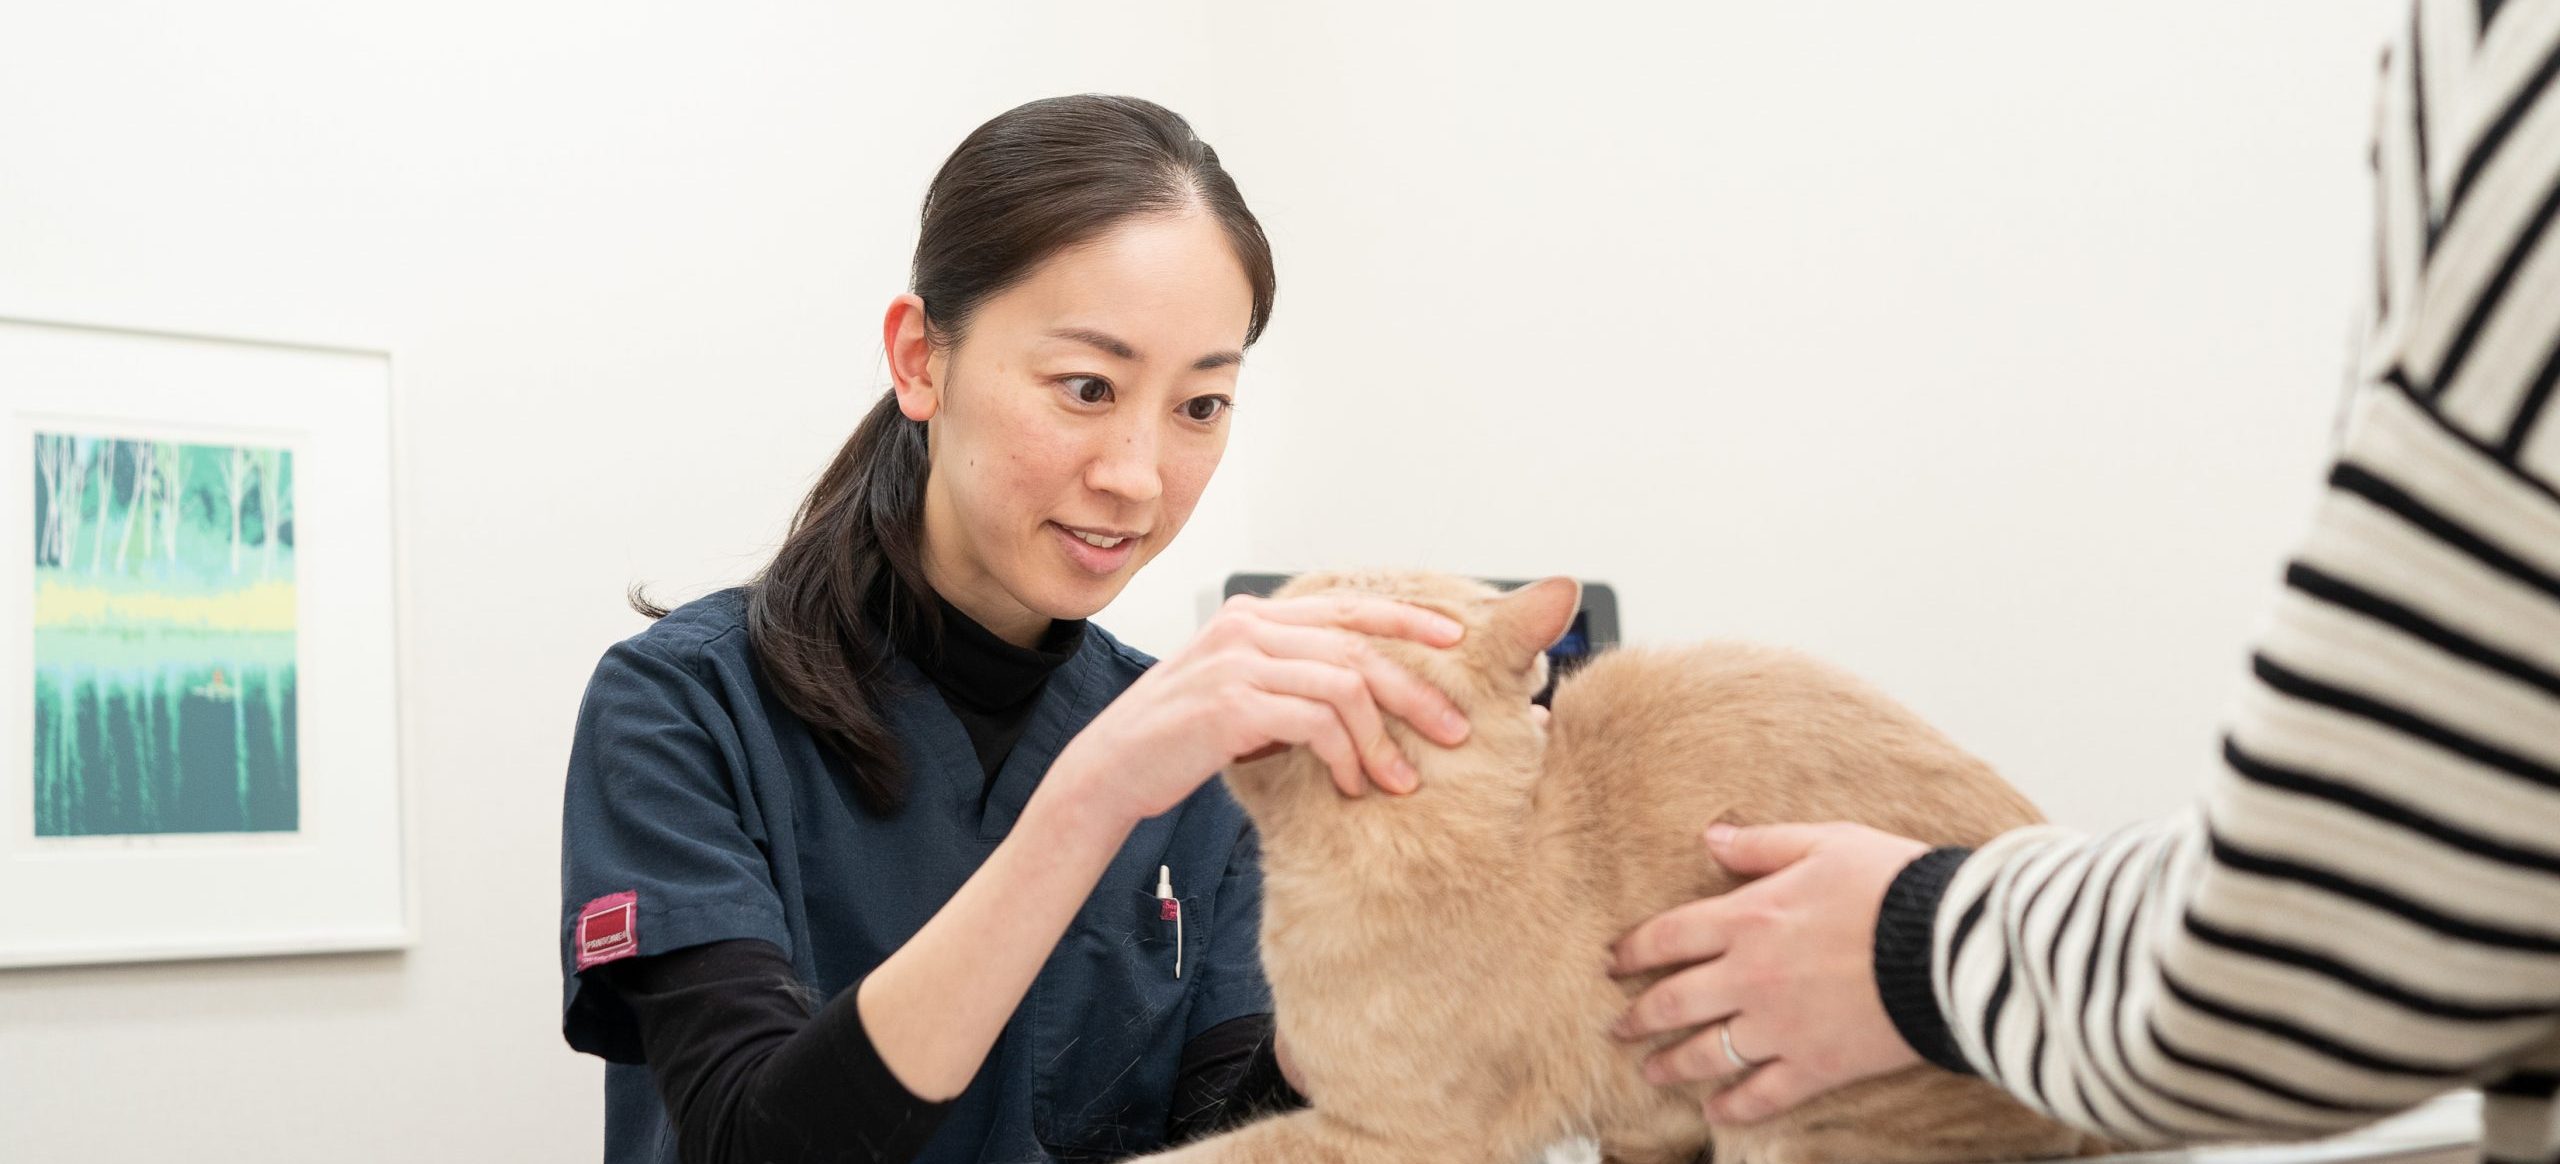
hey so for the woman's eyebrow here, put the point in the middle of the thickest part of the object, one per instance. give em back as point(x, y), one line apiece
point(1104, 340)
point(1120, 348)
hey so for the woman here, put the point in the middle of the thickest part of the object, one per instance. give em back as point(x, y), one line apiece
point(2366, 911)
point(890, 855)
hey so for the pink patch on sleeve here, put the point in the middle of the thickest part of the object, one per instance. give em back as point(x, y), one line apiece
point(608, 928)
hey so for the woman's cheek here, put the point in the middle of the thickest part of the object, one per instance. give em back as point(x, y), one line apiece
point(1034, 466)
point(1186, 476)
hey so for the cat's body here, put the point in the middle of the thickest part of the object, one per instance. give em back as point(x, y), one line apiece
point(1439, 961)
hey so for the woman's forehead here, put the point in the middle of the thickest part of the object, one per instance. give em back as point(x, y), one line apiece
point(1157, 289)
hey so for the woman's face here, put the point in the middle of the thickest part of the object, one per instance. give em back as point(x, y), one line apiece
point(1076, 421)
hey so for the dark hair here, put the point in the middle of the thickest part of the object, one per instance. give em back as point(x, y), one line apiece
point(1036, 180)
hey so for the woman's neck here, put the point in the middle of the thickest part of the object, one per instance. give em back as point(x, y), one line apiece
point(976, 594)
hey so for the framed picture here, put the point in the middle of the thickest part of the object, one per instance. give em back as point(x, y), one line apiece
point(200, 723)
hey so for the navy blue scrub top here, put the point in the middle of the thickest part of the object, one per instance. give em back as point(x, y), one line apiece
point(700, 809)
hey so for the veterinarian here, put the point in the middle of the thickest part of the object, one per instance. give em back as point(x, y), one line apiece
point(892, 856)
point(2365, 910)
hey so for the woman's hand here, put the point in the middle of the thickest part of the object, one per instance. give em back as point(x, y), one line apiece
point(1780, 972)
point(1266, 674)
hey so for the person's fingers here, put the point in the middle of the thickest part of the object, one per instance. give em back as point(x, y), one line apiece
point(1367, 614)
point(1398, 691)
point(1683, 933)
point(1347, 695)
point(1771, 1089)
point(1540, 716)
point(1700, 1058)
point(1693, 997)
point(1314, 723)
point(1264, 752)
point(1763, 849)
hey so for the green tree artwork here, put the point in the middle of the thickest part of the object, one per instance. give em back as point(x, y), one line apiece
point(164, 638)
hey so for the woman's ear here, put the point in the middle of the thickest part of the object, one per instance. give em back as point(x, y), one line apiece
point(914, 364)
point(1529, 620)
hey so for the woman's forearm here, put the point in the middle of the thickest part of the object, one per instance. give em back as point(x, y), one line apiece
point(936, 1007)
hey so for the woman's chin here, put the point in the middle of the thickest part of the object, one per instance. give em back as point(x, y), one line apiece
point(1065, 591)
point(1068, 599)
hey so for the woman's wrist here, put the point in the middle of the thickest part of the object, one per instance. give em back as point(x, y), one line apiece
point(1905, 944)
point(937, 1005)
point(1073, 806)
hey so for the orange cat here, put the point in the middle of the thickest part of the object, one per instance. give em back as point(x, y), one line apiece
point(1439, 960)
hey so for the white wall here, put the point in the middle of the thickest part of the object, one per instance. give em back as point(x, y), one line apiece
point(1989, 350)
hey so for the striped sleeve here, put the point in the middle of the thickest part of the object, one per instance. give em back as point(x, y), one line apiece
point(2364, 910)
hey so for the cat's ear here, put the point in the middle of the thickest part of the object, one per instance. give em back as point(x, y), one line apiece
point(1527, 621)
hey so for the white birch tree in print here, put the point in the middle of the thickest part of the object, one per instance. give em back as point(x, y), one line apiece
point(136, 506)
point(235, 481)
point(270, 476)
point(79, 494)
point(106, 462)
point(173, 497)
point(75, 482)
point(49, 476)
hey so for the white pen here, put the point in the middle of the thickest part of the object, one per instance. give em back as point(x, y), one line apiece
point(1171, 911)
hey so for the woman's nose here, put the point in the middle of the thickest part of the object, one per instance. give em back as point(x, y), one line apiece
point(1125, 465)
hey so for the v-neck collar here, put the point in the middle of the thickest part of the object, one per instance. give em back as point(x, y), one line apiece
point(943, 765)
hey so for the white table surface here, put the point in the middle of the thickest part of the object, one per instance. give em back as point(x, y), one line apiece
point(2445, 1130)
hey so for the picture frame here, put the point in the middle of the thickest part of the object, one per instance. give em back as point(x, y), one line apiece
point(201, 730)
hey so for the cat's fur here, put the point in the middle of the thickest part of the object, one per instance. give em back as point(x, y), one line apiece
point(1439, 961)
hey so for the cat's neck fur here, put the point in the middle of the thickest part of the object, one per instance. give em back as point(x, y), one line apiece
point(1470, 833)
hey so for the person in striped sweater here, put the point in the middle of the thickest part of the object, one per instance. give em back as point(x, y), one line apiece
point(2364, 910)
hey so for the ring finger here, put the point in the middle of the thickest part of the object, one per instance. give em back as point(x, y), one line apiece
point(1693, 997)
point(1718, 1053)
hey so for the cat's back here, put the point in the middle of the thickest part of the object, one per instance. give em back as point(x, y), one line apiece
point(1754, 733)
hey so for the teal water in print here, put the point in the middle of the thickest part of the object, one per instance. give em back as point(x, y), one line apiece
point(190, 734)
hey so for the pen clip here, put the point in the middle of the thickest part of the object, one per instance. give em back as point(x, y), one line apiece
point(1170, 911)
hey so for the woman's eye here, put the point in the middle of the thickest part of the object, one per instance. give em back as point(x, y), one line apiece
point(1206, 408)
point(1088, 389)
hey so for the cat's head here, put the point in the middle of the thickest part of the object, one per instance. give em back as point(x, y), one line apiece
point(1491, 674)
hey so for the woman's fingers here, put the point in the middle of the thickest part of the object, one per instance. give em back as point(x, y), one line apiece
point(1317, 725)
point(1314, 649)
point(1390, 687)
point(1693, 997)
point(1366, 614)
point(1769, 1091)
point(1690, 932)
point(1345, 694)
point(1702, 1058)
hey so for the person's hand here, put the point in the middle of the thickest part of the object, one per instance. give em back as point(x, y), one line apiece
point(1263, 675)
point(1779, 972)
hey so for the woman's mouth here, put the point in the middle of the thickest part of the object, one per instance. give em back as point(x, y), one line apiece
point(1096, 550)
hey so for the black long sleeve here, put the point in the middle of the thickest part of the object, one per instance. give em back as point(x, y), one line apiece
point(749, 1073)
point(1230, 1074)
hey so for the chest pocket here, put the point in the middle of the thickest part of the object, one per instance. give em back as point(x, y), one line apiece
point(1107, 1042)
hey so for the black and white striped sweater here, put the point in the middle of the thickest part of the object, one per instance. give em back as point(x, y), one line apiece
point(2365, 909)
